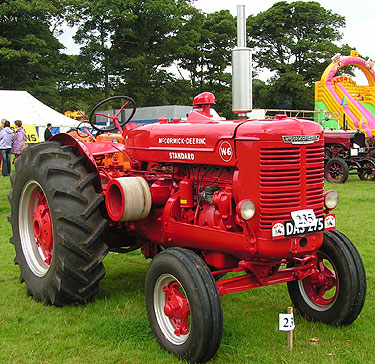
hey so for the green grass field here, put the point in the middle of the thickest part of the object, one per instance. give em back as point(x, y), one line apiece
point(114, 328)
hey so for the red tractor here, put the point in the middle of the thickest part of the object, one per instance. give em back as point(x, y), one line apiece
point(346, 152)
point(201, 198)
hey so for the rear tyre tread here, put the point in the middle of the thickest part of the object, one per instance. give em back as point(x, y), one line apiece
point(76, 268)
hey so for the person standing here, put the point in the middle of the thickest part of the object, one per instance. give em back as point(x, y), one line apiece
point(19, 138)
point(6, 136)
point(47, 132)
point(1, 128)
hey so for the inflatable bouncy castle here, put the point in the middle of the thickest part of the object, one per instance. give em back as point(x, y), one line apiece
point(340, 94)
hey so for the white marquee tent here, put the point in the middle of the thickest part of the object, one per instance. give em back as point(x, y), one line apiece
point(21, 105)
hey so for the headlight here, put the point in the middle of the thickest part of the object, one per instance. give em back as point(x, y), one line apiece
point(331, 199)
point(246, 209)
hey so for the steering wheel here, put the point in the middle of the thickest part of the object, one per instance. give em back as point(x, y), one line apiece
point(117, 125)
point(86, 132)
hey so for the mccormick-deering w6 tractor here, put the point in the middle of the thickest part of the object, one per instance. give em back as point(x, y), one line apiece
point(202, 198)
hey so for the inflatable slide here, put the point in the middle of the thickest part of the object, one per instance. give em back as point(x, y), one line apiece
point(354, 104)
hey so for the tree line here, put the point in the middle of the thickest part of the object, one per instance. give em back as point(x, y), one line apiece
point(162, 52)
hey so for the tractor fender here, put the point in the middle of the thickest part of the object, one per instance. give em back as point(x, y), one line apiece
point(82, 150)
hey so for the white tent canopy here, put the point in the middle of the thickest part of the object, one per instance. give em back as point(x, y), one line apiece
point(20, 105)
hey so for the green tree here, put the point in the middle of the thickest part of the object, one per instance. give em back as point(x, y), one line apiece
point(203, 51)
point(297, 41)
point(28, 47)
point(130, 45)
point(74, 93)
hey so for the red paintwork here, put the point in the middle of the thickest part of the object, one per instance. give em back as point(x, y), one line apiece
point(199, 170)
point(320, 282)
point(338, 137)
point(177, 308)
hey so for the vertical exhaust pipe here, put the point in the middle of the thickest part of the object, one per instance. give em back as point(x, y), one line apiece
point(241, 69)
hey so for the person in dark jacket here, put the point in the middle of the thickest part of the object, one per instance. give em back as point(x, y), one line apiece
point(47, 132)
point(19, 138)
point(6, 136)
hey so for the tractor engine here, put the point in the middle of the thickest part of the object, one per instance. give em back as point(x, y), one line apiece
point(225, 187)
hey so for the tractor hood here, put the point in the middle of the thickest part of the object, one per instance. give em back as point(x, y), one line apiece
point(213, 142)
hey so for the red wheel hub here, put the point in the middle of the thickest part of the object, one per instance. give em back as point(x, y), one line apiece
point(42, 227)
point(322, 286)
point(177, 308)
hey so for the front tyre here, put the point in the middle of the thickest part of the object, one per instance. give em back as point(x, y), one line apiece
point(57, 226)
point(183, 305)
point(335, 293)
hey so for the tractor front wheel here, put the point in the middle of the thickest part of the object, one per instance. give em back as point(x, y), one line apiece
point(183, 305)
point(335, 293)
point(336, 170)
point(57, 225)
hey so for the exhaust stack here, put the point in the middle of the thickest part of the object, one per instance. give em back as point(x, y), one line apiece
point(241, 69)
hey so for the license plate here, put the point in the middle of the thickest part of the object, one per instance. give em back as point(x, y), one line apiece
point(288, 228)
point(293, 229)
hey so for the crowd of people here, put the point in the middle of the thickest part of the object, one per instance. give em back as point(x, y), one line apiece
point(10, 143)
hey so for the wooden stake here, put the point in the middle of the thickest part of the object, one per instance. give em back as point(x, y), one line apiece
point(290, 333)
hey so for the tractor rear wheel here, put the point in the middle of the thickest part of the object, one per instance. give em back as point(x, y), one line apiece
point(336, 171)
point(367, 171)
point(335, 294)
point(57, 225)
point(183, 305)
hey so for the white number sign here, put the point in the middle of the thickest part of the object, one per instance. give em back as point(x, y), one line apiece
point(304, 218)
point(286, 322)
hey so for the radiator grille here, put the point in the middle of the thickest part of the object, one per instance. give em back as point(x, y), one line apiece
point(283, 174)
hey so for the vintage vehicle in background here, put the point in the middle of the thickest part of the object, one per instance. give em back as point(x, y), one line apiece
point(202, 198)
point(346, 152)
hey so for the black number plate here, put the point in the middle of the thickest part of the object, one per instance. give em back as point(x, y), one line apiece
point(292, 230)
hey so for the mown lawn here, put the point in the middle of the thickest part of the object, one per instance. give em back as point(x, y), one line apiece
point(114, 328)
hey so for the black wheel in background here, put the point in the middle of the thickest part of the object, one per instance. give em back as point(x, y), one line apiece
point(183, 305)
point(367, 171)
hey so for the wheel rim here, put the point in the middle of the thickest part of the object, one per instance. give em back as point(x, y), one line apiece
point(172, 309)
point(367, 172)
point(321, 288)
point(35, 228)
point(336, 171)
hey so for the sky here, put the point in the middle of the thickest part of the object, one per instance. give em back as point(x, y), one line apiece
point(359, 15)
